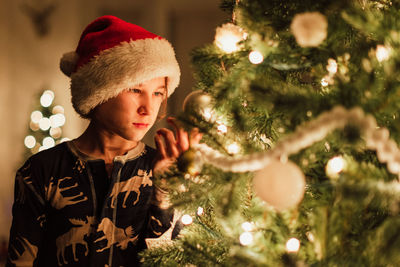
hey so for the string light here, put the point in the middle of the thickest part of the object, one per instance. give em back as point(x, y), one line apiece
point(34, 126)
point(44, 124)
point(228, 36)
point(334, 166)
point(233, 148)
point(57, 109)
point(324, 82)
point(246, 238)
point(207, 113)
point(332, 66)
point(55, 132)
point(57, 120)
point(247, 226)
point(382, 53)
point(200, 211)
point(65, 139)
point(256, 57)
point(30, 141)
point(293, 245)
point(187, 219)
point(36, 116)
point(48, 142)
point(222, 128)
point(47, 98)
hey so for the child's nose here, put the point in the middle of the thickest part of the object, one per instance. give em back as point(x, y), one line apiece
point(145, 106)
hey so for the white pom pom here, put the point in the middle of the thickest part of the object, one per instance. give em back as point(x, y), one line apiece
point(309, 28)
point(68, 62)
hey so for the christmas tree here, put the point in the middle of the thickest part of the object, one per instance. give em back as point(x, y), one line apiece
point(45, 126)
point(299, 165)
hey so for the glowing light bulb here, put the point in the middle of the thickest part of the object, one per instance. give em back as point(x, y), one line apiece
point(382, 53)
point(207, 113)
point(30, 141)
point(332, 66)
point(292, 245)
point(55, 132)
point(44, 124)
point(256, 57)
point(47, 98)
point(57, 120)
point(247, 226)
point(200, 211)
point(233, 148)
point(228, 36)
point(187, 219)
point(36, 116)
point(324, 82)
point(246, 238)
point(222, 128)
point(48, 142)
point(57, 109)
point(335, 166)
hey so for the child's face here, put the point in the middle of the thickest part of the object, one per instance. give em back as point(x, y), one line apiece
point(132, 113)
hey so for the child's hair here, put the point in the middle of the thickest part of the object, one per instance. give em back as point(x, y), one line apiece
point(163, 108)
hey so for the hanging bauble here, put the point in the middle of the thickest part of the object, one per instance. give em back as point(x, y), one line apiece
point(280, 184)
point(187, 162)
point(198, 102)
point(309, 28)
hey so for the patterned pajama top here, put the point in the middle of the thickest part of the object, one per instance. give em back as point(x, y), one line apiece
point(68, 212)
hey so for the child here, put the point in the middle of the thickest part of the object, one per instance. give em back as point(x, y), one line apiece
point(92, 201)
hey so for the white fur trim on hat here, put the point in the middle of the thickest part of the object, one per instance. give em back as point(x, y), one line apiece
point(68, 62)
point(122, 67)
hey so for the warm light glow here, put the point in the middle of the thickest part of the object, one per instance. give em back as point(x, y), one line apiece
point(30, 141)
point(55, 132)
point(256, 57)
point(57, 120)
point(332, 66)
point(293, 245)
point(228, 36)
point(233, 148)
point(65, 139)
point(34, 126)
point(36, 116)
point(47, 98)
point(44, 124)
point(247, 226)
point(186, 219)
point(200, 211)
point(310, 236)
point(222, 128)
point(335, 166)
point(58, 109)
point(48, 142)
point(382, 53)
point(246, 238)
point(324, 82)
point(207, 113)
point(42, 148)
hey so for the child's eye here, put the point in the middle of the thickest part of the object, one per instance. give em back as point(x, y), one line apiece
point(158, 93)
point(135, 90)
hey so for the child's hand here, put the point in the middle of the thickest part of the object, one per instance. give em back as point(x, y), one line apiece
point(171, 145)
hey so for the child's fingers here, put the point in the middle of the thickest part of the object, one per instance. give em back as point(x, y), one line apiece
point(160, 146)
point(170, 143)
point(182, 136)
point(195, 136)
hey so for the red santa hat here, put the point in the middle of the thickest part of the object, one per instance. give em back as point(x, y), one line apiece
point(114, 55)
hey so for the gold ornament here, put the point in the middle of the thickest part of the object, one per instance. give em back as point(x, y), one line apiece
point(186, 162)
point(281, 185)
point(198, 102)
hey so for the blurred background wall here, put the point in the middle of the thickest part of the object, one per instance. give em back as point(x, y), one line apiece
point(35, 33)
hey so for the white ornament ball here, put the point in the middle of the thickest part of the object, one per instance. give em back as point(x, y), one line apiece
point(198, 102)
point(309, 28)
point(281, 185)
